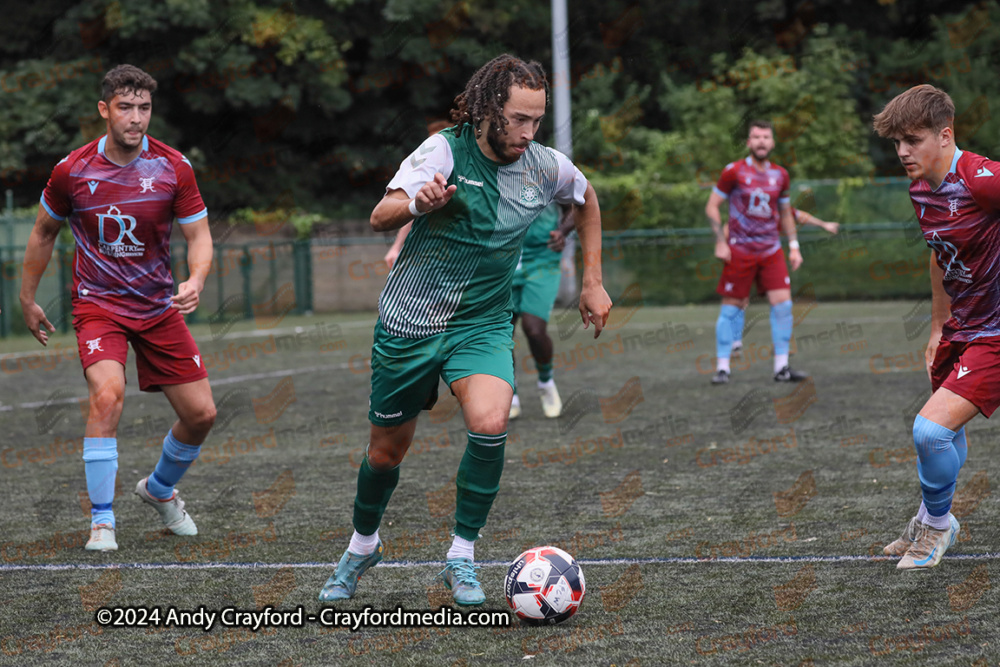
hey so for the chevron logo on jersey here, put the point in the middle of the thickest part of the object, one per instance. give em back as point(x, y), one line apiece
point(983, 171)
point(93, 185)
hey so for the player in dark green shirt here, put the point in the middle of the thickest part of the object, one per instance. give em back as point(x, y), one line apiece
point(536, 285)
point(472, 190)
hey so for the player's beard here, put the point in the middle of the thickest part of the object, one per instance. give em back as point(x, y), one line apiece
point(123, 139)
point(501, 150)
point(761, 154)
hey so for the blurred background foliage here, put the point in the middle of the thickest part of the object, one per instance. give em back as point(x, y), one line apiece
point(309, 106)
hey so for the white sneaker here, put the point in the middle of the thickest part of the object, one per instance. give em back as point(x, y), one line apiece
point(515, 408)
point(930, 545)
point(551, 403)
point(171, 511)
point(102, 538)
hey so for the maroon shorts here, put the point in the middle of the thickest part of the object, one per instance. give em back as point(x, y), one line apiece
point(971, 370)
point(743, 268)
point(165, 352)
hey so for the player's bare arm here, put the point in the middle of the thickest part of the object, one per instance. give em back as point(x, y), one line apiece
point(722, 250)
point(36, 259)
point(557, 237)
point(940, 311)
point(595, 304)
point(397, 244)
point(395, 210)
point(199, 256)
point(788, 225)
point(805, 218)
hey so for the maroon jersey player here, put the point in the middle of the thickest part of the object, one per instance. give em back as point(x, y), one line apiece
point(956, 197)
point(121, 194)
point(759, 208)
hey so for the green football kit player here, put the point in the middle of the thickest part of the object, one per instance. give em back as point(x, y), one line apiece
point(445, 311)
point(536, 285)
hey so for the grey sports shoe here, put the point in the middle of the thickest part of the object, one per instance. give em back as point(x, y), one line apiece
point(171, 511)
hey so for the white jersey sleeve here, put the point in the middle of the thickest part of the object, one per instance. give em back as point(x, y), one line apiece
point(431, 157)
point(571, 184)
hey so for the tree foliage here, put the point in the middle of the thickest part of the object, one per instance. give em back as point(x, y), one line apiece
point(311, 104)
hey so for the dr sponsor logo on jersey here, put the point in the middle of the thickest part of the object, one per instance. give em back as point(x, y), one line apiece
point(760, 204)
point(954, 268)
point(112, 222)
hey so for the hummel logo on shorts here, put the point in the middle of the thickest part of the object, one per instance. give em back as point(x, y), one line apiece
point(963, 371)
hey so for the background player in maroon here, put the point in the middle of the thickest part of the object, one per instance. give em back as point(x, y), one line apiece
point(751, 248)
point(121, 194)
point(956, 196)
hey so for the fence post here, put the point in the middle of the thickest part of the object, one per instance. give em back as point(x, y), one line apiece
point(4, 308)
point(302, 270)
point(246, 267)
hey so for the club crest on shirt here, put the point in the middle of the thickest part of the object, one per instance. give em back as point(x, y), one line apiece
point(530, 194)
point(147, 185)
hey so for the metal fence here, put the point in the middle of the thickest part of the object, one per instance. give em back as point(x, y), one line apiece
point(266, 280)
point(252, 280)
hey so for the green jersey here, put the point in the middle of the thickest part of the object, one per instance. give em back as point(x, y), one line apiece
point(456, 266)
point(536, 241)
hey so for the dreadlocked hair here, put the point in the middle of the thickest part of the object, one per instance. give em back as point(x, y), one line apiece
point(489, 88)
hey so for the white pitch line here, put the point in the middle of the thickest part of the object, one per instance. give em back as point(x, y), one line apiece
point(215, 383)
point(62, 567)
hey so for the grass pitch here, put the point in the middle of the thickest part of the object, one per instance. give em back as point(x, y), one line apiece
point(716, 525)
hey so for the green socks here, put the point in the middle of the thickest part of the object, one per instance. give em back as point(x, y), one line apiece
point(478, 482)
point(375, 487)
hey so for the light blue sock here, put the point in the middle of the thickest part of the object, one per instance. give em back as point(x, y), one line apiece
point(100, 463)
point(938, 463)
point(724, 328)
point(738, 327)
point(174, 462)
point(961, 446)
point(781, 326)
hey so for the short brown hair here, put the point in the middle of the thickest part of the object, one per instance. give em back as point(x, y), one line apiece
point(124, 79)
point(762, 124)
point(922, 107)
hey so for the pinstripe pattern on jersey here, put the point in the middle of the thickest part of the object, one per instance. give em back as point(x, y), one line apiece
point(457, 263)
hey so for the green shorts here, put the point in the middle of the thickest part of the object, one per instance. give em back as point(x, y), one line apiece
point(405, 371)
point(535, 288)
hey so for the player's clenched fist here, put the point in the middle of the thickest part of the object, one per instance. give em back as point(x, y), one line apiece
point(434, 194)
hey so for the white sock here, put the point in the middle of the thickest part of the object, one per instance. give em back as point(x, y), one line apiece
point(722, 364)
point(780, 361)
point(551, 382)
point(462, 548)
point(363, 545)
point(938, 522)
point(515, 402)
point(922, 513)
